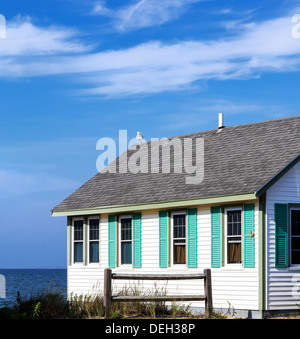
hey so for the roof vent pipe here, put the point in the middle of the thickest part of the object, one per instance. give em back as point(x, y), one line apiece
point(221, 120)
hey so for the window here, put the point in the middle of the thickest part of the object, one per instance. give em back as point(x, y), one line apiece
point(125, 240)
point(93, 240)
point(179, 238)
point(234, 236)
point(78, 241)
point(295, 237)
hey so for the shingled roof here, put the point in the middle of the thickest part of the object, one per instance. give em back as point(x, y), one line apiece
point(237, 160)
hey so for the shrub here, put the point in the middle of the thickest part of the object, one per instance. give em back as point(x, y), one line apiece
point(49, 305)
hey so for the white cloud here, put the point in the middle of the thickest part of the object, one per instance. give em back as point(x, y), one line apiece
point(24, 38)
point(146, 13)
point(143, 13)
point(100, 9)
point(155, 66)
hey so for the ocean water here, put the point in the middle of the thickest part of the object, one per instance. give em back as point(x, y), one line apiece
point(30, 282)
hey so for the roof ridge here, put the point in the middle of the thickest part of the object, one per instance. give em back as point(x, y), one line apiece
point(266, 121)
point(239, 125)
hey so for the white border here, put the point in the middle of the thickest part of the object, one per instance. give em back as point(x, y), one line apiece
point(232, 265)
point(172, 238)
point(128, 216)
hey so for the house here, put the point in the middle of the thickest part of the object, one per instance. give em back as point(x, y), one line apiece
point(242, 220)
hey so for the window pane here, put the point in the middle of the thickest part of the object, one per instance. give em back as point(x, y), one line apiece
point(126, 253)
point(126, 229)
point(295, 250)
point(234, 222)
point(295, 237)
point(295, 257)
point(78, 252)
point(78, 230)
point(94, 251)
point(78, 223)
point(295, 229)
point(179, 252)
point(295, 215)
point(94, 229)
point(234, 253)
point(296, 243)
point(234, 240)
point(179, 226)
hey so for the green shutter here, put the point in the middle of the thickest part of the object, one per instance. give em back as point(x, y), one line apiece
point(136, 239)
point(192, 237)
point(163, 239)
point(215, 236)
point(281, 235)
point(249, 222)
point(112, 229)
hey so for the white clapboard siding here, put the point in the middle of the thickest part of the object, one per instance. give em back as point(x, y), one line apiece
point(234, 288)
point(283, 284)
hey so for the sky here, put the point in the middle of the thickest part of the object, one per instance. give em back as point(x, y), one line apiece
point(75, 71)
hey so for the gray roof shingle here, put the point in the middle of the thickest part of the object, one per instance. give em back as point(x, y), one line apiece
point(237, 160)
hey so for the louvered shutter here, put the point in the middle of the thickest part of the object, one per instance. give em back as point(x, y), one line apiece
point(249, 248)
point(136, 239)
point(215, 236)
point(163, 239)
point(281, 235)
point(112, 229)
point(192, 237)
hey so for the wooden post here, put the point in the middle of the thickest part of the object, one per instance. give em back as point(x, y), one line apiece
point(208, 293)
point(107, 291)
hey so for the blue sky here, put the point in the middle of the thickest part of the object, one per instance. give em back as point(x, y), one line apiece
point(74, 71)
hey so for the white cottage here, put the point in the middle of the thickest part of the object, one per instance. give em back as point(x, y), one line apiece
point(242, 219)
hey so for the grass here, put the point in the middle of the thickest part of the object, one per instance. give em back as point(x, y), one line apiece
point(48, 305)
point(52, 304)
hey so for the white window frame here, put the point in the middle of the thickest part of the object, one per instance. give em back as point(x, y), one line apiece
point(120, 241)
point(172, 240)
point(73, 242)
point(226, 210)
point(88, 241)
point(290, 235)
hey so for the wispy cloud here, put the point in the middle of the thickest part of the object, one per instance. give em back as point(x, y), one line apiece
point(13, 183)
point(101, 9)
point(154, 66)
point(23, 38)
point(143, 13)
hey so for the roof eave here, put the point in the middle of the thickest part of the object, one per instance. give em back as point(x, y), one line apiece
point(156, 205)
point(277, 176)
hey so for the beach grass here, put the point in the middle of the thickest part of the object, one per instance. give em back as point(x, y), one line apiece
point(52, 304)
